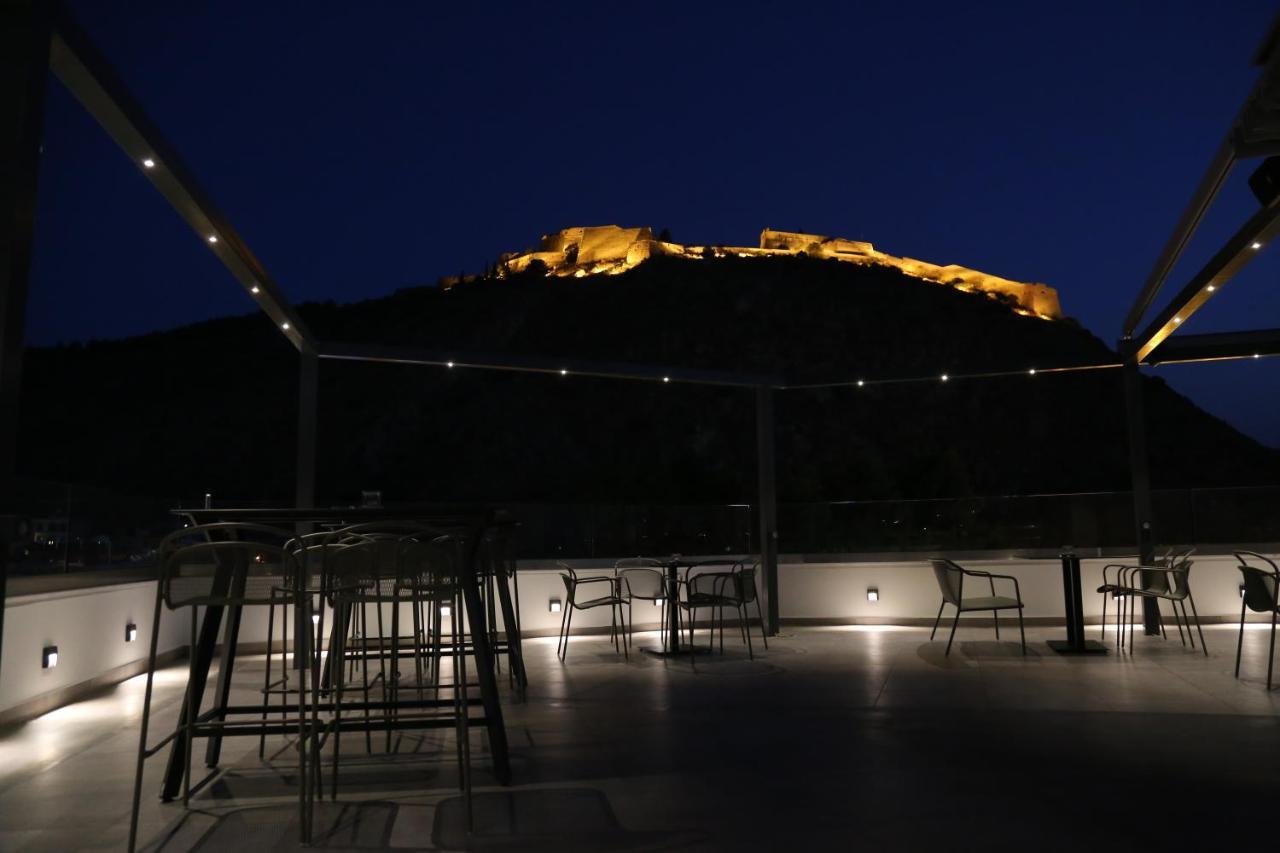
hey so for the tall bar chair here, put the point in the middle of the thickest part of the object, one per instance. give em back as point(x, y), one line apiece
point(1261, 594)
point(221, 565)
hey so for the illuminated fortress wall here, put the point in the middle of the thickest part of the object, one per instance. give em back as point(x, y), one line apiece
point(608, 249)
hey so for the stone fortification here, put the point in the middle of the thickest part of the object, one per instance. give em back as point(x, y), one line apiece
point(608, 249)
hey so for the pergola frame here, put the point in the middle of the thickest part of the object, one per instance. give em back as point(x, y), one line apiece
point(39, 36)
point(1255, 132)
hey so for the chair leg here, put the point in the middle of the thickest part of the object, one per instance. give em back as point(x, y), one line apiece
point(146, 720)
point(1103, 636)
point(568, 626)
point(1271, 652)
point(746, 629)
point(995, 615)
point(954, 623)
point(936, 621)
point(760, 615)
point(1240, 639)
point(1160, 619)
point(1022, 632)
point(1203, 646)
point(266, 679)
point(560, 636)
point(192, 712)
point(1177, 622)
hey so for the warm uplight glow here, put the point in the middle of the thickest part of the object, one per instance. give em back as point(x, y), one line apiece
point(149, 163)
point(213, 238)
point(611, 250)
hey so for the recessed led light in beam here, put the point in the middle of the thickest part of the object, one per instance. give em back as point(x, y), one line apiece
point(564, 372)
point(213, 238)
point(284, 326)
point(861, 383)
point(1255, 246)
point(945, 377)
point(255, 290)
point(1031, 372)
point(448, 364)
point(149, 163)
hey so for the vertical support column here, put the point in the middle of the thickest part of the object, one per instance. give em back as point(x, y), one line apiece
point(1144, 530)
point(308, 395)
point(767, 489)
point(24, 70)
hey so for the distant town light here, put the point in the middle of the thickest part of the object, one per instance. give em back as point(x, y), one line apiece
point(448, 364)
point(1255, 355)
point(945, 377)
point(1032, 372)
point(861, 383)
point(149, 163)
point(213, 238)
point(564, 372)
point(666, 379)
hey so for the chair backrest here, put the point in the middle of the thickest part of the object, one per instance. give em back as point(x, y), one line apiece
point(747, 581)
point(641, 582)
point(226, 563)
point(950, 579)
point(1261, 582)
point(710, 583)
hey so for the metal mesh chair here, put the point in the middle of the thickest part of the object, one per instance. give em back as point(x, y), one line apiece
point(642, 580)
point(951, 577)
point(1170, 583)
point(710, 584)
point(613, 600)
point(218, 565)
point(1261, 594)
point(1116, 587)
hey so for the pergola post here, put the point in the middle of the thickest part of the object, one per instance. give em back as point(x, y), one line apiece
point(767, 500)
point(24, 70)
point(1140, 473)
point(308, 393)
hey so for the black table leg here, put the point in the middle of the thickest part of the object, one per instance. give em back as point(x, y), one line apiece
point(484, 665)
point(672, 647)
point(1073, 602)
point(515, 652)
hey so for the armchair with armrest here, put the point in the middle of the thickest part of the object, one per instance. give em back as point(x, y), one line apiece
point(613, 599)
point(951, 576)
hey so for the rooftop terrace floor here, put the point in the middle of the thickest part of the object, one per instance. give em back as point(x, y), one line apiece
point(834, 737)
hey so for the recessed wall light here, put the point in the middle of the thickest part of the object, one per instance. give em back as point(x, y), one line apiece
point(445, 610)
point(130, 632)
point(873, 593)
point(554, 606)
point(49, 657)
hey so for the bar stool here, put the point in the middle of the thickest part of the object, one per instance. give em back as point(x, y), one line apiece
point(220, 565)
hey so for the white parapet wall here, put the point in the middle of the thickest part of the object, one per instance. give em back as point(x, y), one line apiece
point(88, 625)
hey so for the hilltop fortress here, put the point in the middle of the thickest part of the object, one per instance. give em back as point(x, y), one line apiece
point(608, 250)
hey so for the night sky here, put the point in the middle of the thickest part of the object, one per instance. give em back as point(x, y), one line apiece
point(360, 148)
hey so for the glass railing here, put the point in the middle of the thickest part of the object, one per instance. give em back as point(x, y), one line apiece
point(74, 528)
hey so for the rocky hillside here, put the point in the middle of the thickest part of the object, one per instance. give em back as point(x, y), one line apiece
point(211, 407)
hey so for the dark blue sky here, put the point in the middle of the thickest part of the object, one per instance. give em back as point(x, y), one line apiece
point(360, 148)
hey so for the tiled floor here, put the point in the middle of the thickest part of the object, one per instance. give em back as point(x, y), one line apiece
point(831, 739)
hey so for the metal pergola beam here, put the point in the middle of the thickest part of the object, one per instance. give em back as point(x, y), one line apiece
point(1239, 250)
point(1218, 346)
point(85, 72)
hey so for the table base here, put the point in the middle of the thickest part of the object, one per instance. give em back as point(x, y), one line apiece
point(1066, 647)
